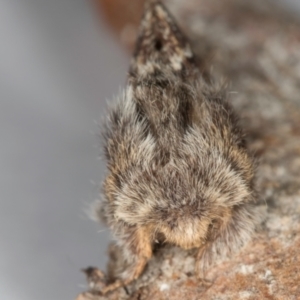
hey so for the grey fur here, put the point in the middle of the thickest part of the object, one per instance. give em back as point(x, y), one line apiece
point(178, 167)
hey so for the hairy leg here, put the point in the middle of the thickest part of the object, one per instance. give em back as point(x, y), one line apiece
point(200, 265)
point(138, 250)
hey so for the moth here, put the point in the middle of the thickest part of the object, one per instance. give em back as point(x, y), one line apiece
point(178, 169)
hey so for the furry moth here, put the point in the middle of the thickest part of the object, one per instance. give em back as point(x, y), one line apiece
point(179, 171)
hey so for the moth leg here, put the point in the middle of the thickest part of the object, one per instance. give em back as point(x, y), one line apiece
point(200, 265)
point(139, 248)
point(95, 278)
point(134, 274)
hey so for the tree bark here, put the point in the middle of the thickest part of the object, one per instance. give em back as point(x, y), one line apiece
point(255, 46)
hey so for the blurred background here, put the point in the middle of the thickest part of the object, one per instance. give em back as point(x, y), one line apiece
point(59, 63)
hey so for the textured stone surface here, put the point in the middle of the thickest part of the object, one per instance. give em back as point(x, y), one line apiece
point(256, 47)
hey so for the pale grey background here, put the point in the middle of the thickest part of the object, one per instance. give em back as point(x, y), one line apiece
point(58, 65)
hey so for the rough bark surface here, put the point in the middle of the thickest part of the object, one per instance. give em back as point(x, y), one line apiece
point(256, 47)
